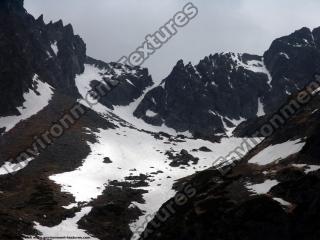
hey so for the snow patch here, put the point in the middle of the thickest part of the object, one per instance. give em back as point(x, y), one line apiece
point(128, 81)
point(307, 168)
point(262, 188)
point(235, 122)
point(35, 101)
point(151, 114)
point(316, 91)
point(54, 47)
point(284, 55)
point(9, 168)
point(283, 202)
point(213, 113)
point(260, 112)
point(277, 152)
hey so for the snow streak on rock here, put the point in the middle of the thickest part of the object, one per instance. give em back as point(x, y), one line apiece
point(35, 100)
point(277, 152)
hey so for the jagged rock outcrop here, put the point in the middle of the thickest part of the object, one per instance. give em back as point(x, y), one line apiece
point(292, 61)
point(29, 47)
point(208, 98)
point(131, 82)
point(56, 55)
point(204, 98)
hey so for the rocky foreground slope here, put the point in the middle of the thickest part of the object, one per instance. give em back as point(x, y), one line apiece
point(271, 193)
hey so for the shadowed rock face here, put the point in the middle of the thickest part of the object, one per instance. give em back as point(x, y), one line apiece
point(28, 46)
point(292, 60)
point(203, 97)
point(11, 5)
point(26, 50)
point(198, 98)
point(131, 83)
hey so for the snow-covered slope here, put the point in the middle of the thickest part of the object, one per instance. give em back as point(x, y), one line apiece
point(135, 152)
point(134, 149)
point(35, 100)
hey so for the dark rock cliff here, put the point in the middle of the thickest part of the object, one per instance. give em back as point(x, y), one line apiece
point(206, 98)
point(292, 60)
point(29, 47)
point(131, 82)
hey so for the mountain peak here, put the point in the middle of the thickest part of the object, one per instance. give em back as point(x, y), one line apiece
point(304, 30)
point(180, 64)
point(303, 33)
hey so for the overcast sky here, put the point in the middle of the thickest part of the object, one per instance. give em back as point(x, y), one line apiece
point(113, 28)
